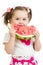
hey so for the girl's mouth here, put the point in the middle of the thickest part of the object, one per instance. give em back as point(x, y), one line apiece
point(21, 24)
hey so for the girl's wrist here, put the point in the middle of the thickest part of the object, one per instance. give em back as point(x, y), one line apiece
point(37, 38)
point(12, 38)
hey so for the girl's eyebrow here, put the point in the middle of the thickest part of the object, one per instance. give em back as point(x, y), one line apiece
point(17, 18)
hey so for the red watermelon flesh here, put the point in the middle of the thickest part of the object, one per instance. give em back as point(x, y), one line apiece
point(24, 30)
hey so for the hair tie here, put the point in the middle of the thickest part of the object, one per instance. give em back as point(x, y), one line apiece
point(9, 9)
point(28, 9)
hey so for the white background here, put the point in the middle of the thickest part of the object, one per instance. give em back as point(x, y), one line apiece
point(37, 20)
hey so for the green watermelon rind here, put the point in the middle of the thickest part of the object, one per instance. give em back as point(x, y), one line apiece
point(24, 37)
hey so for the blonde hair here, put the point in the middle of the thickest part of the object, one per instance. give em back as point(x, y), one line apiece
point(8, 15)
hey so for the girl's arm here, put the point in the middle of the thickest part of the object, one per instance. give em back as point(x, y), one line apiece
point(9, 46)
point(36, 44)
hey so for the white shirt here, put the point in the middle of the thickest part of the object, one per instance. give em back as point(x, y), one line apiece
point(20, 48)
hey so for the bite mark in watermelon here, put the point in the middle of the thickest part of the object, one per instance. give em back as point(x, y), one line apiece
point(23, 31)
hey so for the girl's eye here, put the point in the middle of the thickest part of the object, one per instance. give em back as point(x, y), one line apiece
point(24, 18)
point(17, 18)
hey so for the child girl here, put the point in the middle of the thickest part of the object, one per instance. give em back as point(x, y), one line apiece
point(22, 54)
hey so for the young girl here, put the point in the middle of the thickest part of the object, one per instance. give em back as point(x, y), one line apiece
point(22, 54)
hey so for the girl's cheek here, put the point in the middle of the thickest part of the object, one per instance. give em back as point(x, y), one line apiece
point(14, 21)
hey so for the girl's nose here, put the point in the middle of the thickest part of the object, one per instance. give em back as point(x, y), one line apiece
point(20, 22)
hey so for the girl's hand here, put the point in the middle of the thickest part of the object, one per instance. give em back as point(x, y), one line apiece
point(12, 33)
point(36, 35)
point(37, 45)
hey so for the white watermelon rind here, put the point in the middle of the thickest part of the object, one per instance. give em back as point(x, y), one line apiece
point(24, 37)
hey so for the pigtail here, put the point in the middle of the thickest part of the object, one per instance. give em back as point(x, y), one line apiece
point(30, 14)
point(7, 16)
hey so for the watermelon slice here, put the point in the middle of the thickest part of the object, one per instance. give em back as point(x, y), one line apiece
point(23, 31)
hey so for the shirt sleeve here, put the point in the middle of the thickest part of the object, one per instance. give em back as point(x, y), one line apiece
point(6, 37)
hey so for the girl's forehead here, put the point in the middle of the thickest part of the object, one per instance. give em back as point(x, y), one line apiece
point(20, 13)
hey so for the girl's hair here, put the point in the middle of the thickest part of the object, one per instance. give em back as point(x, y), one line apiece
point(8, 15)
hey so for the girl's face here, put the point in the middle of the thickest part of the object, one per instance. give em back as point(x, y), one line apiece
point(20, 17)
